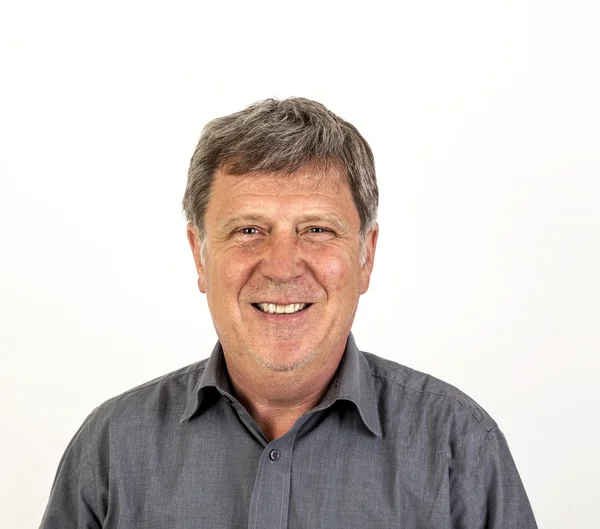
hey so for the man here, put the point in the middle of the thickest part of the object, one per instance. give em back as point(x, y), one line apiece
point(287, 424)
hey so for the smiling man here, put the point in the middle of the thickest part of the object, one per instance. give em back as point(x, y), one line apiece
point(282, 263)
point(287, 424)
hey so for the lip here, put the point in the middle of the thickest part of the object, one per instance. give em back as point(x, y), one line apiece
point(282, 302)
point(288, 318)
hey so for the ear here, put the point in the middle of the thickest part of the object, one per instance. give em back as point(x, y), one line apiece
point(367, 267)
point(196, 245)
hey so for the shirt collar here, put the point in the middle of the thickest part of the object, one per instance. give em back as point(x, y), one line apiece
point(353, 381)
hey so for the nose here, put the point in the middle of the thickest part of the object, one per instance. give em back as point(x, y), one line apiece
point(282, 260)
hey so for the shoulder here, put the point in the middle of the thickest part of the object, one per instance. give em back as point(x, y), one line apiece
point(161, 399)
point(415, 392)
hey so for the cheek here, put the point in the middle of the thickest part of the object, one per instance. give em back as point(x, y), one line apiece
point(226, 276)
point(336, 273)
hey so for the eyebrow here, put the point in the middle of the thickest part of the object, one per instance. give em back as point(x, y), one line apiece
point(257, 218)
point(241, 219)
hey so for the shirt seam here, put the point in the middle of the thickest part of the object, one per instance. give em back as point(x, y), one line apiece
point(486, 441)
point(429, 392)
point(88, 479)
point(155, 382)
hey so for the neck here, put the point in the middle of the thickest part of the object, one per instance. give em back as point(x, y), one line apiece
point(276, 400)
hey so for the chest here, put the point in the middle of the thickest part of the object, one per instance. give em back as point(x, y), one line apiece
point(325, 478)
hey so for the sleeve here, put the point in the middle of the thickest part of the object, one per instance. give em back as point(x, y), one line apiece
point(75, 502)
point(488, 492)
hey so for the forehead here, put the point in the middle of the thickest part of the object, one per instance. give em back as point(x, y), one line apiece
point(310, 184)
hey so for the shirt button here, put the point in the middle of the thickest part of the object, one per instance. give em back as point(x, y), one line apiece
point(275, 455)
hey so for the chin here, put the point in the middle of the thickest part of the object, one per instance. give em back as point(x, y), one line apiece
point(277, 359)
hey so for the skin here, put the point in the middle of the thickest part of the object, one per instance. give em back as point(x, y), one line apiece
point(282, 239)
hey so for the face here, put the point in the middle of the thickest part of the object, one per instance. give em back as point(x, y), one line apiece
point(282, 267)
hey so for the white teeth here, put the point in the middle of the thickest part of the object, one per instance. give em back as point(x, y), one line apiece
point(272, 308)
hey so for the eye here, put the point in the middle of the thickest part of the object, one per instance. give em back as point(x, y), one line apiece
point(320, 231)
point(248, 231)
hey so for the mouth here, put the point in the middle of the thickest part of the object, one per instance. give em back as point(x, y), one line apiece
point(274, 308)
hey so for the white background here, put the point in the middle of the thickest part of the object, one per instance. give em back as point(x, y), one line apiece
point(484, 120)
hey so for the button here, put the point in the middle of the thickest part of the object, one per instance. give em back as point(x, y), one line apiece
point(275, 455)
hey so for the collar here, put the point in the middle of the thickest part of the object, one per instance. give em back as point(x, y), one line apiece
point(353, 381)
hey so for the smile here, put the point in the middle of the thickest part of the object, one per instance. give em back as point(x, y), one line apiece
point(272, 308)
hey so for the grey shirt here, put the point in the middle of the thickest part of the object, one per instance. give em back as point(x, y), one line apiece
point(386, 447)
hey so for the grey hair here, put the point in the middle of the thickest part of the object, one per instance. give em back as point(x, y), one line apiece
point(281, 136)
